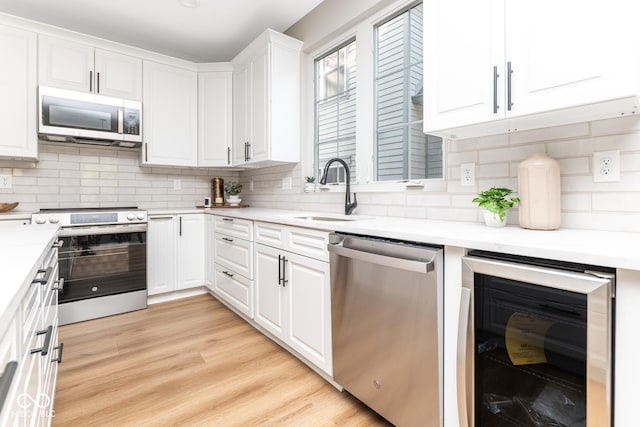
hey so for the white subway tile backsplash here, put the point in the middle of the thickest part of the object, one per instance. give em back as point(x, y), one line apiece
point(549, 134)
point(509, 154)
point(575, 202)
point(575, 166)
point(610, 202)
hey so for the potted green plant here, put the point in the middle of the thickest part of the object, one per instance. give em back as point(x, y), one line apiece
point(496, 201)
point(309, 184)
point(233, 189)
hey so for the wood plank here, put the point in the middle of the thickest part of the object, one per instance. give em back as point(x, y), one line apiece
point(191, 362)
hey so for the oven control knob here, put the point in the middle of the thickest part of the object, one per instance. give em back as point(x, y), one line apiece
point(40, 220)
point(54, 219)
point(140, 216)
point(131, 217)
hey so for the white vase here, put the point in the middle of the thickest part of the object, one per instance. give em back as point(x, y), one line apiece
point(234, 200)
point(493, 220)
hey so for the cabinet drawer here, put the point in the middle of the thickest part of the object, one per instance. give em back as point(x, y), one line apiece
point(270, 234)
point(235, 289)
point(234, 254)
point(311, 243)
point(236, 227)
point(302, 241)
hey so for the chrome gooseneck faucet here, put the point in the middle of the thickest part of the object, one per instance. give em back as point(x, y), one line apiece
point(348, 206)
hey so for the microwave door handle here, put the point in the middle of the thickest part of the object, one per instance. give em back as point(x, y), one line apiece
point(121, 120)
point(464, 398)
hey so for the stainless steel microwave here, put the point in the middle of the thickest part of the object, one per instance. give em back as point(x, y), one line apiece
point(69, 116)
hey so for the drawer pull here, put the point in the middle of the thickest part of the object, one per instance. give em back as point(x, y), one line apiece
point(44, 350)
point(227, 273)
point(44, 279)
point(6, 380)
point(60, 348)
point(226, 239)
point(227, 219)
point(58, 244)
point(60, 285)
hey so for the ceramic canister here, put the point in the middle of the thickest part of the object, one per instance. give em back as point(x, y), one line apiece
point(539, 192)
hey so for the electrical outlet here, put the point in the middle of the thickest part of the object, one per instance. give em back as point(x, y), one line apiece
point(177, 184)
point(606, 166)
point(6, 181)
point(287, 183)
point(468, 174)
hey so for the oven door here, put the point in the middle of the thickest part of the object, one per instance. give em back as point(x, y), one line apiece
point(534, 346)
point(103, 260)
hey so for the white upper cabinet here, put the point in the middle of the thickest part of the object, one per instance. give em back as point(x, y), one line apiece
point(170, 115)
point(18, 99)
point(495, 66)
point(76, 66)
point(267, 101)
point(214, 118)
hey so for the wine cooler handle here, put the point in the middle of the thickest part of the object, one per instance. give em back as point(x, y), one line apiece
point(462, 382)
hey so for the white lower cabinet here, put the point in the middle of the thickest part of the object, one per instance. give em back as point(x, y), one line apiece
point(175, 252)
point(29, 349)
point(209, 251)
point(233, 263)
point(293, 301)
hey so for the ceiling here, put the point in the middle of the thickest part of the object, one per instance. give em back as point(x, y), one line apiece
point(213, 32)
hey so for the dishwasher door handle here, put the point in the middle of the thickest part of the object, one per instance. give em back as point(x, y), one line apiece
point(389, 261)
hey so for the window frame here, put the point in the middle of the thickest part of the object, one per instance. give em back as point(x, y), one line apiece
point(363, 33)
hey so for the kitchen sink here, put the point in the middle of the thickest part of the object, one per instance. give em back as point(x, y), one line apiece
point(323, 218)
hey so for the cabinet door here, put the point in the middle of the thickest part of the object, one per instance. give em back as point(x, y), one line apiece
point(209, 251)
point(65, 64)
point(309, 309)
point(463, 42)
point(260, 105)
point(118, 75)
point(170, 99)
point(161, 255)
point(18, 102)
point(190, 260)
point(241, 112)
point(567, 54)
point(214, 118)
point(269, 300)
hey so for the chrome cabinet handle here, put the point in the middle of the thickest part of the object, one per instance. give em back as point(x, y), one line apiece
point(228, 155)
point(6, 380)
point(284, 272)
point(227, 273)
point(90, 81)
point(248, 151)
point(58, 244)
point(60, 285)
point(461, 363)
point(227, 219)
point(180, 226)
point(98, 82)
point(509, 72)
point(44, 350)
point(495, 89)
point(226, 239)
point(60, 349)
point(279, 269)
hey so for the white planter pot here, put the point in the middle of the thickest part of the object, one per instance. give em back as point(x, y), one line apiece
point(493, 220)
point(234, 200)
point(309, 187)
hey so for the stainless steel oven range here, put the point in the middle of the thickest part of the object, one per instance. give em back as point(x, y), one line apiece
point(102, 259)
point(535, 345)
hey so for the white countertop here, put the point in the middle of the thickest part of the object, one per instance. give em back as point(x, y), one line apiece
point(609, 249)
point(21, 250)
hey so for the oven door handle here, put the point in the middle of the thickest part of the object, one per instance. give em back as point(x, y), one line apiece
point(462, 363)
point(102, 229)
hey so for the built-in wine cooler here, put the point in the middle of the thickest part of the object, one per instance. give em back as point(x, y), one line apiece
point(535, 345)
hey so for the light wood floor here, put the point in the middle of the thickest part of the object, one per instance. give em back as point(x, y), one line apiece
point(190, 362)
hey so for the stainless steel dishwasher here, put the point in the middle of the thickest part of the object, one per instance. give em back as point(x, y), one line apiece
point(386, 317)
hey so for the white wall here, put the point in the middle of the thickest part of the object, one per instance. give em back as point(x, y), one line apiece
point(82, 176)
point(585, 204)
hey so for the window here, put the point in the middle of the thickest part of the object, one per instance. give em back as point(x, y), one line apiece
point(402, 151)
point(335, 110)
